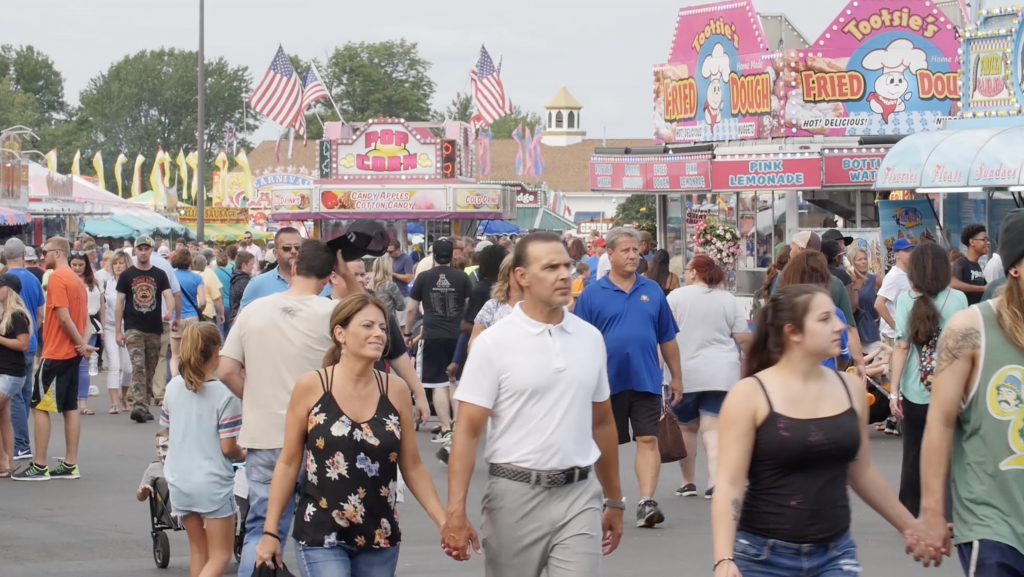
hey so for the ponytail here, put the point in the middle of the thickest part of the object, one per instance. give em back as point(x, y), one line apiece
point(199, 342)
point(924, 320)
point(929, 273)
point(789, 306)
point(333, 355)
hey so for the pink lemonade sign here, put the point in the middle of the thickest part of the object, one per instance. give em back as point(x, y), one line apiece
point(880, 67)
point(717, 83)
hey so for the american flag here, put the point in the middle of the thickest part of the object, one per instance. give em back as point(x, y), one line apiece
point(312, 89)
point(488, 92)
point(279, 94)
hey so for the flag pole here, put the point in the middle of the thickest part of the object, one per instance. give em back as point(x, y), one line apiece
point(331, 98)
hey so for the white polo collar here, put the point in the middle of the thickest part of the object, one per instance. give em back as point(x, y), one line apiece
point(537, 327)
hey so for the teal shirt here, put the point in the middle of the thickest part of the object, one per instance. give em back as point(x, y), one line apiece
point(949, 302)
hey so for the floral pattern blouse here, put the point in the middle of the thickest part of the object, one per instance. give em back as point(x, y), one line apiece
point(351, 475)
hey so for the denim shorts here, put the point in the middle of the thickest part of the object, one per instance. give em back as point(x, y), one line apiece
point(226, 510)
point(759, 557)
point(10, 386)
point(347, 561)
point(694, 405)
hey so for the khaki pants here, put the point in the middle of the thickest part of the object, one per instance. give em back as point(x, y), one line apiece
point(527, 529)
point(160, 378)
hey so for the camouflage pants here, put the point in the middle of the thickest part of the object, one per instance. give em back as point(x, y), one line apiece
point(144, 350)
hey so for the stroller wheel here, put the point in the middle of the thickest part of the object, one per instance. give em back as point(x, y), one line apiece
point(161, 549)
point(239, 541)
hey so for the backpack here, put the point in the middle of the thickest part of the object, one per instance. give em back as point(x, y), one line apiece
point(928, 355)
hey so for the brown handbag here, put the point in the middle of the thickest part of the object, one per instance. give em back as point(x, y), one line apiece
point(670, 437)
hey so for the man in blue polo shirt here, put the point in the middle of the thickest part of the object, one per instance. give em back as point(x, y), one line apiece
point(635, 319)
point(286, 247)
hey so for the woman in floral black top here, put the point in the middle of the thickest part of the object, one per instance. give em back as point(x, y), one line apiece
point(348, 420)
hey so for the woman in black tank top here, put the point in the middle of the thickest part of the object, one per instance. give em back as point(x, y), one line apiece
point(344, 431)
point(797, 433)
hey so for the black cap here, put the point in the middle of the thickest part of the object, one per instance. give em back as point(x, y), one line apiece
point(833, 234)
point(443, 250)
point(1011, 239)
point(10, 281)
point(831, 250)
point(361, 238)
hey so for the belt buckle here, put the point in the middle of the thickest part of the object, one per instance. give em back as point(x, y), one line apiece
point(543, 480)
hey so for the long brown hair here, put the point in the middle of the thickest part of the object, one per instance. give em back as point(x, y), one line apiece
point(808, 267)
point(1010, 312)
point(346, 309)
point(788, 306)
point(929, 273)
point(198, 344)
point(774, 269)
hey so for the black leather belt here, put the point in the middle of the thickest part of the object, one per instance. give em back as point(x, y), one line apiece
point(541, 478)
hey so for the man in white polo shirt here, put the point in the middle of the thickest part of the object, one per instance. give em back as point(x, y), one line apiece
point(538, 379)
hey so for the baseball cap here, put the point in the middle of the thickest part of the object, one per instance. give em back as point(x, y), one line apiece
point(483, 244)
point(807, 240)
point(164, 251)
point(144, 241)
point(646, 237)
point(831, 250)
point(30, 254)
point(901, 244)
point(361, 238)
point(833, 234)
point(11, 281)
point(443, 250)
point(14, 248)
point(599, 242)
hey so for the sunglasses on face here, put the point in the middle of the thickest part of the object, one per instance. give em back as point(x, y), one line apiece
point(289, 248)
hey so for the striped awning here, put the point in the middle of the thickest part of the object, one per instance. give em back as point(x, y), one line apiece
point(13, 217)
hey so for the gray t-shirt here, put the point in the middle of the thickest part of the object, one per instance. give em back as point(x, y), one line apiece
point(707, 319)
point(154, 471)
point(200, 477)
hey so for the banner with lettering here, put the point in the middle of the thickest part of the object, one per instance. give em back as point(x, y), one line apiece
point(717, 84)
point(881, 67)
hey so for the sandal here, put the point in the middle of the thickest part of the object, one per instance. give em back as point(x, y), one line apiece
point(86, 411)
point(6, 473)
point(113, 410)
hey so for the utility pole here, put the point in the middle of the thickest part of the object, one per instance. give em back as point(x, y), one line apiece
point(201, 129)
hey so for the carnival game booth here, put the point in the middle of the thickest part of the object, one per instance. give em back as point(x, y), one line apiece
point(393, 171)
point(220, 224)
point(791, 138)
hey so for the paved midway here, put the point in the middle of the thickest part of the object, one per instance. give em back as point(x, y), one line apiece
point(95, 527)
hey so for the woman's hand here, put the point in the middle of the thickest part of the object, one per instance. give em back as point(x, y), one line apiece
point(896, 406)
point(268, 552)
point(727, 569)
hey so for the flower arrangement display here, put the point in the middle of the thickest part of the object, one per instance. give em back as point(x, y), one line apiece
point(718, 241)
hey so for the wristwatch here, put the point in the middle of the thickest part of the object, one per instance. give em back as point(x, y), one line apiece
point(621, 505)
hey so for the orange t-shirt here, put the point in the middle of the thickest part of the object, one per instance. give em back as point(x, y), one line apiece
point(577, 286)
point(65, 291)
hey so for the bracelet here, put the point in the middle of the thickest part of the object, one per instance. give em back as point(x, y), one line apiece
point(720, 561)
point(275, 536)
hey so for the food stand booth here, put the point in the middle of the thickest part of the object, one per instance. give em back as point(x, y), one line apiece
point(786, 140)
point(392, 171)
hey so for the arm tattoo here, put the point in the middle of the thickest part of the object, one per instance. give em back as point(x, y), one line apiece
point(736, 508)
point(954, 344)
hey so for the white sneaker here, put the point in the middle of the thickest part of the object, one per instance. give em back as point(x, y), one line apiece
point(93, 390)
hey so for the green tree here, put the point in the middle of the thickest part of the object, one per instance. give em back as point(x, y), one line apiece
point(460, 108)
point(503, 127)
point(16, 106)
point(33, 73)
point(639, 209)
point(378, 79)
point(148, 100)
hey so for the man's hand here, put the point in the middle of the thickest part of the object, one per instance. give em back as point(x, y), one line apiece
point(457, 535)
point(167, 315)
point(675, 392)
point(930, 539)
point(119, 337)
point(85, 350)
point(611, 529)
point(452, 371)
point(175, 324)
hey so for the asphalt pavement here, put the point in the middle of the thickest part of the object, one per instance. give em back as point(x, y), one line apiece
point(94, 526)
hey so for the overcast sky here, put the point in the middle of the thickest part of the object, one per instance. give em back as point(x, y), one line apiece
point(602, 51)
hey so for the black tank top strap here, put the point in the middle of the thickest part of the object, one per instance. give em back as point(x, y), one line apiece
point(766, 397)
point(842, 381)
point(381, 387)
point(325, 379)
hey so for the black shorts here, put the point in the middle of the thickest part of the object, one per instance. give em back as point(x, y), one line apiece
point(55, 386)
point(434, 357)
point(640, 410)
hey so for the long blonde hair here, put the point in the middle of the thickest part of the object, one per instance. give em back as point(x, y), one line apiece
point(118, 255)
point(346, 309)
point(1010, 312)
point(501, 291)
point(12, 306)
point(199, 342)
point(382, 272)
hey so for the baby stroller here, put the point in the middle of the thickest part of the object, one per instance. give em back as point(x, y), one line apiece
point(162, 520)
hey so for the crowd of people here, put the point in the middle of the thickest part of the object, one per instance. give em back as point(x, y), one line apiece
point(315, 368)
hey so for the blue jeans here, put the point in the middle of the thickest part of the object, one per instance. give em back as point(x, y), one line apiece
point(259, 470)
point(759, 557)
point(20, 408)
point(988, 558)
point(83, 373)
point(347, 561)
